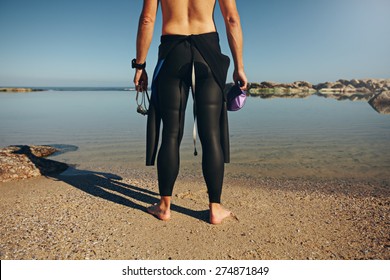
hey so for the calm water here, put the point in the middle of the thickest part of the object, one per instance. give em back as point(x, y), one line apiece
point(311, 137)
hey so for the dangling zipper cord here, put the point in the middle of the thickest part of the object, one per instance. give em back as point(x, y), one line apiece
point(194, 131)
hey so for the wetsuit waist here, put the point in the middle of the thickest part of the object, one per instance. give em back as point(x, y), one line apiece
point(177, 37)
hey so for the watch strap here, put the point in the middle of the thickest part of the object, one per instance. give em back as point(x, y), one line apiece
point(135, 65)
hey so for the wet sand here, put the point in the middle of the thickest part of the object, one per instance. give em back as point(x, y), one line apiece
point(100, 215)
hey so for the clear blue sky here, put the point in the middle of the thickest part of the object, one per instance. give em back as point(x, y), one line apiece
point(91, 42)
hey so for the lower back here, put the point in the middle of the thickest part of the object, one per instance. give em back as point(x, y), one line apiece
point(187, 16)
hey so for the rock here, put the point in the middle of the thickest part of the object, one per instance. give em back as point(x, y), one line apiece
point(19, 89)
point(38, 151)
point(381, 102)
point(349, 88)
point(22, 162)
point(363, 90)
point(268, 84)
point(330, 90)
point(357, 83)
point(303, 84)
point(252, 85)
point(338, 85)
point(344, 82)
point(328, 86)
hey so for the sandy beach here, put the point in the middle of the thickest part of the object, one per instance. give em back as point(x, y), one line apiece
point(99, 215)
point(309, 180)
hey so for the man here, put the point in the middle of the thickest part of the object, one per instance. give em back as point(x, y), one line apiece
point(189, 57)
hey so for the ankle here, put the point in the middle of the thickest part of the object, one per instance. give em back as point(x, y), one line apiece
point(165, 202)
point(215, 206)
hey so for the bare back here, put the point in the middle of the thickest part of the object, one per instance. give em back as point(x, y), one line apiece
point(187, 16)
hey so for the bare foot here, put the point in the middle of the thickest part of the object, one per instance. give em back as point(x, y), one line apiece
point(218, 214)
point(157, 211)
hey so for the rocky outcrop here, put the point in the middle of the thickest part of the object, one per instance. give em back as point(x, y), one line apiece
point(362, 86)
point(381, 102)
point(341, 89)
point(269, 89)
point(19, 89)
point(353, 89)
point(22, 162)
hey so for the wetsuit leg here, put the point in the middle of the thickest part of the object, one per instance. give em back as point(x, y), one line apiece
point(209, 100)
point(173, 89)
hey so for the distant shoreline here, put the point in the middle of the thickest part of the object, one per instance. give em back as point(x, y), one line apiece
point(38, 89)
point(366, 86)
point(19, 89)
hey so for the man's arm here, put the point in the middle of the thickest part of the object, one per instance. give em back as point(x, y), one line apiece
point(235, 39)
point(144, 39)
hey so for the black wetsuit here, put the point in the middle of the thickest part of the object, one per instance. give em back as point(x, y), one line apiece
point(173, 78)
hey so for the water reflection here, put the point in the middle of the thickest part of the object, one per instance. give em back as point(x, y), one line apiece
point(301, 134)
point(379, 105)
point(351, 97)
point(381, 102)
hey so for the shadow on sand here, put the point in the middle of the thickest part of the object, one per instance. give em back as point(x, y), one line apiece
point(111, 188)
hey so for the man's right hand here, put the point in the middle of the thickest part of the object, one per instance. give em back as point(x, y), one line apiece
point(239, 78)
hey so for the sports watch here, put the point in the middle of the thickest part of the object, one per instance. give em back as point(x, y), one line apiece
point(135, 65)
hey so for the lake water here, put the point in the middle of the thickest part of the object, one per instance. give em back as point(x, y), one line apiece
point(314, 137)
